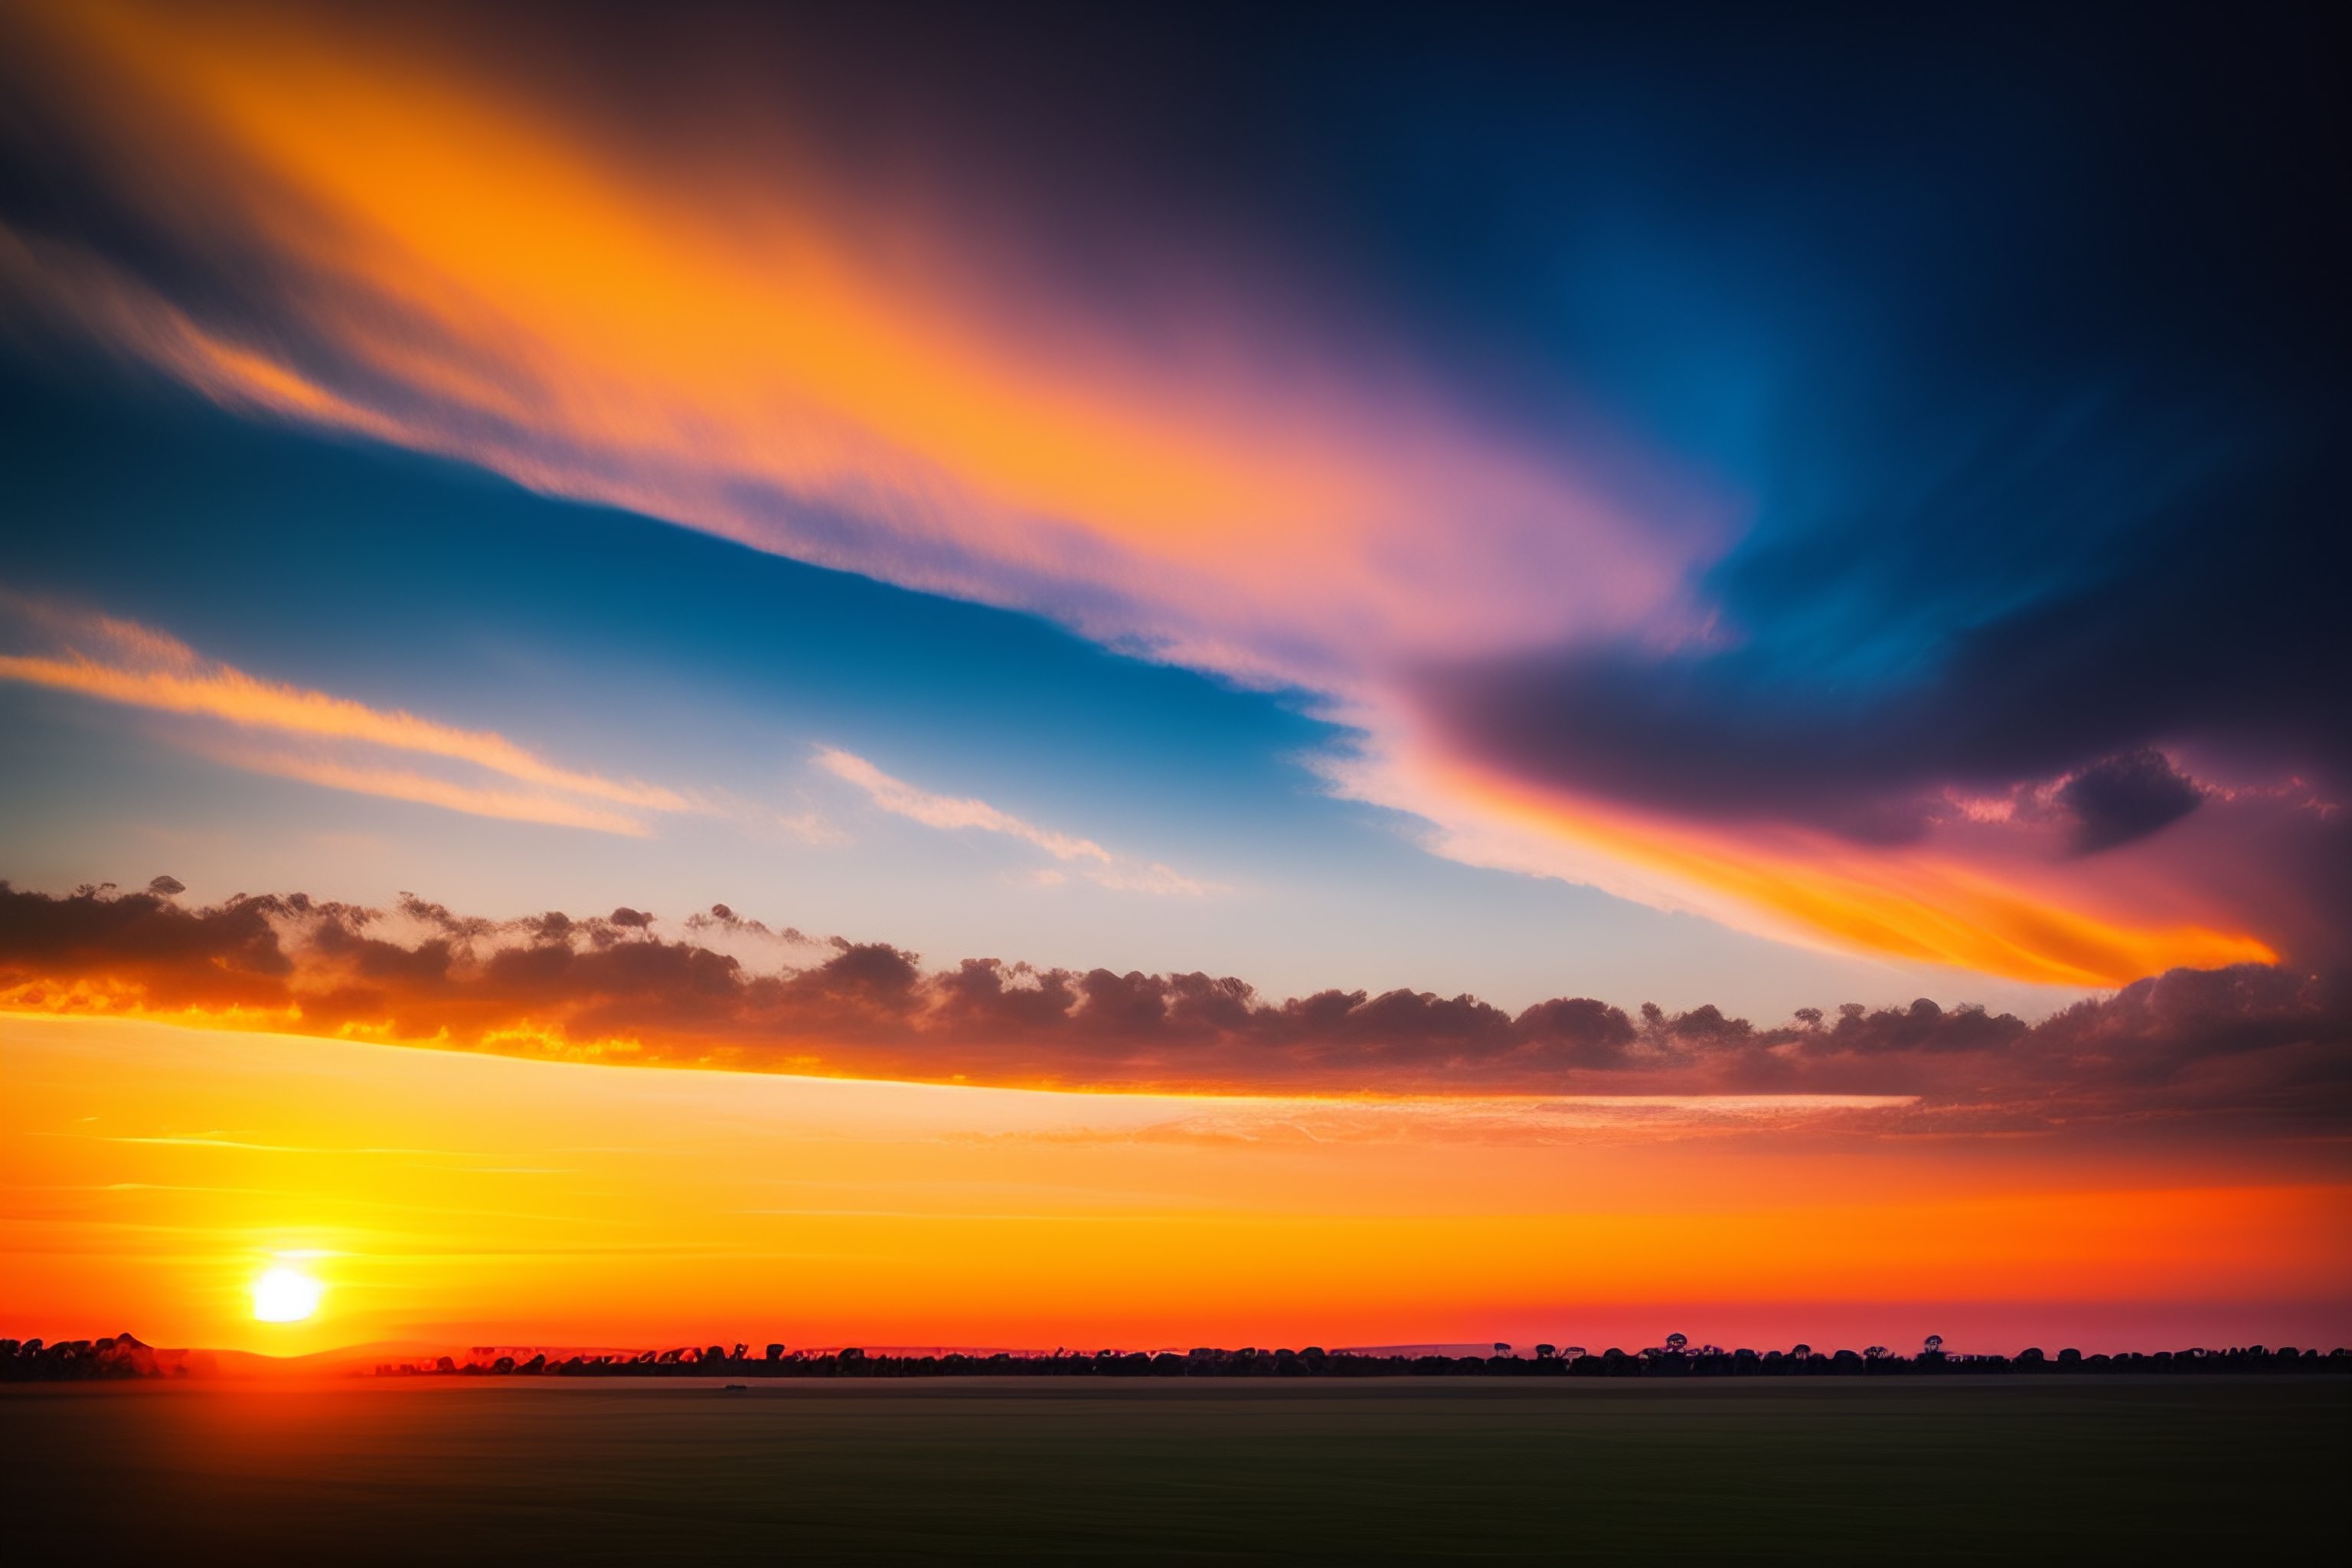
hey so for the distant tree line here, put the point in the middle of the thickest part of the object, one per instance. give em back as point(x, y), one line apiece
point(1547, 1361)
point(83, 1361)
point(123, 1357)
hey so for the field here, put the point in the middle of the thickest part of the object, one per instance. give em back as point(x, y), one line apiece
point(2246, 1469)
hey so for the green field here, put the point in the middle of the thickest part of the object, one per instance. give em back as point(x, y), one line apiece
point(2244, 1469)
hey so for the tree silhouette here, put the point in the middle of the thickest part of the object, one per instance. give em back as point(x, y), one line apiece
point(123, 1355)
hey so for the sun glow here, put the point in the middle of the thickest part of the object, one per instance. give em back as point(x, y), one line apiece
point(284, 1295)
point(445, 1194)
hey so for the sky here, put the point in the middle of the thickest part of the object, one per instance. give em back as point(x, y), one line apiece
point(1114, 640)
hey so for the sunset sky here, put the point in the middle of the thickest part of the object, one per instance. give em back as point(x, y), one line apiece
point(945, 677)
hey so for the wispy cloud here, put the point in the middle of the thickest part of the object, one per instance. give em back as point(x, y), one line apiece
point(951, 813)
point(215, 1141)
point(945, 811)
point(135, 666)
point(1472, 1119)
point(426, 789)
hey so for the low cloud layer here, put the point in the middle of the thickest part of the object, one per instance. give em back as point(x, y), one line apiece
point(2249, 1039)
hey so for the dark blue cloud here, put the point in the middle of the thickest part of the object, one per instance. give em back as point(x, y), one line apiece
point(2019, 340)
point(2121, 798)
point(2221, 628)
point(2015, 338)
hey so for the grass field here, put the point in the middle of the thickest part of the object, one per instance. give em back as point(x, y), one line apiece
point(2166, 1469)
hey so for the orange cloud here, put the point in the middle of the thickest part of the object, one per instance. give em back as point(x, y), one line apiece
point(1918, 909)
point(135, 666)
point(484, 274)
point(424, 789)
point(2019, 917)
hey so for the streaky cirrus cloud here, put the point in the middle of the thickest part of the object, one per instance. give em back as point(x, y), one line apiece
point(742, 343)
point(122, 662)
point(951, 813)
point(2246, 1041)
point(1964, 533)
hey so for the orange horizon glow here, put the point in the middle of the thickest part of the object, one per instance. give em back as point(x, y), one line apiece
point(152, 1172)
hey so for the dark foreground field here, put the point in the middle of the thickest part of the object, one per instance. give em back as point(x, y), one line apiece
point(2168, 1470)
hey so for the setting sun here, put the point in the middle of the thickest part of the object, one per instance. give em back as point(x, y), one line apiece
point(285, 1295)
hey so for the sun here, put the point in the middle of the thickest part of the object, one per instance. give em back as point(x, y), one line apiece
point(284, 1295)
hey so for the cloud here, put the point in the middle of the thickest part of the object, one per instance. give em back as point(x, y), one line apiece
point(424, 789)
point(951, 813)
point(215, 1142)
point(2248, 1041)
point(1796, 517)
point(754, 342)
point(1944, 821)
point(121, 662)
point(2120, 798)
point(1976, 895)
point(1478, 1119)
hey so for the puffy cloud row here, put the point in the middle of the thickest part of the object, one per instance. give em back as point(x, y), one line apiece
point(2250, 1039)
